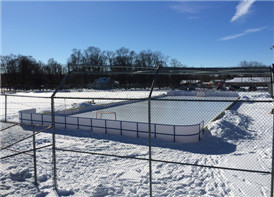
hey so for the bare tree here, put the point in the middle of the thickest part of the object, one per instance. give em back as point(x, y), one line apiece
point(95, 58)
point(124, 57)
point(148, 58)
point(251, 64)
point(75, 59)
point(175, 63)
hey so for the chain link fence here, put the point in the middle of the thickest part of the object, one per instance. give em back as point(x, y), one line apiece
point(160, 135)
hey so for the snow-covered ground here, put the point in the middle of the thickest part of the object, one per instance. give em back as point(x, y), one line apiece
point(241, 138)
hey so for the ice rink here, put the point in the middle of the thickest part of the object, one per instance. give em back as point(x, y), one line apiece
point(164, 112)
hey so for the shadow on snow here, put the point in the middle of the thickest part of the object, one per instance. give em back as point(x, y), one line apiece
point(209, 145)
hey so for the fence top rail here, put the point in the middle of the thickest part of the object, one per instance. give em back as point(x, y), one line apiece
point(114, 70)
point(102, 98)
point(168, 99)
point(214, 100)
point(152, 99)
point(16, 95)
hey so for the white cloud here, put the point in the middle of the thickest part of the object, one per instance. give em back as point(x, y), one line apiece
point(254, 30)
point(232, 36)
point(247, 31)
point(188, 7)
point(193, 17)
point(242, 9)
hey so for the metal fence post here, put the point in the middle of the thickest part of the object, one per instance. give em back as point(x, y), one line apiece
point(149, 131)
point(54, 176)
point(149, 148)
point(272, 82)
point(272, 171)
point(174, 130)
point(6, 107)
point(34, 156)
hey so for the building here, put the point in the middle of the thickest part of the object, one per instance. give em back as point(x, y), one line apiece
point(103, 83)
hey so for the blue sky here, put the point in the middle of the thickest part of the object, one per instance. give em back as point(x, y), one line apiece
point(197, 33)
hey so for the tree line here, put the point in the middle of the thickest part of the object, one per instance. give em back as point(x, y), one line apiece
point(24, 72)
point(92, 57)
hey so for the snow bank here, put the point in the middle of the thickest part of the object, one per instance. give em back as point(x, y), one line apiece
point(200, 94)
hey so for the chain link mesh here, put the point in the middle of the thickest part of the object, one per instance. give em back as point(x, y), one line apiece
point(204, 142)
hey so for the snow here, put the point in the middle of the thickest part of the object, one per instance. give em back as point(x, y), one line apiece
point(16, 104)
point(241, 138)
point(249, 79)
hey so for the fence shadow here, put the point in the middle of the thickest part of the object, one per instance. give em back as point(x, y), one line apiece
point(236, 105)
point(209, 144)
